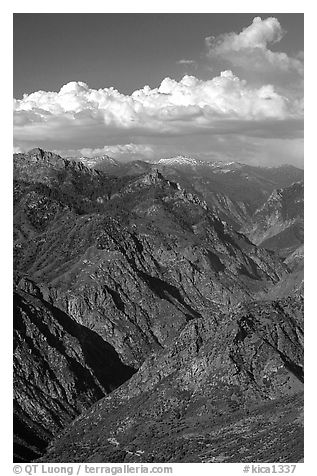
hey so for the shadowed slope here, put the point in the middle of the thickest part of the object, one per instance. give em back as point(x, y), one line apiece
point(60, 369)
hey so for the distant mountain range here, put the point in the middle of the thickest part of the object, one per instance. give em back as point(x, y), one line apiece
point(129, 258)
point(235, 189)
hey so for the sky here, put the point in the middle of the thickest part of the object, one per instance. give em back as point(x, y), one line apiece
point(147, 86)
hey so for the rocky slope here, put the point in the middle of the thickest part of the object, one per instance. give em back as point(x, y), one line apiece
point(60, 369)
point(293, 282)
point(225, 392)
point(279, 223)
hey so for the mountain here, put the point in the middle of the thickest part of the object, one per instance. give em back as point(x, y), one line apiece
point(150, 253)
point(144, 265)
point(179, 161)
point(60, 369)
point(293, 282)
point(234, 189)
point(104, 163)
point(296, 259)
point(225, 392)
point(47, 186)
point(111, 166)
point(279, 223)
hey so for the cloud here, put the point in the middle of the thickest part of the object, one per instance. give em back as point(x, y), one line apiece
point(257, 35)
point(116, 151)
point(188, 106)
point(187, 62)
point(249, 49)
point(249, 108)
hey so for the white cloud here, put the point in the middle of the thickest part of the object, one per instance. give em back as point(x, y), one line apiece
point(116, 151)
point(257, 35)
point(175, 107)
point(249, 48)
point(186, 62)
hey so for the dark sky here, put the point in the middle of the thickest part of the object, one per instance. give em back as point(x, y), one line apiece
point(126, 51)
point(220, 86)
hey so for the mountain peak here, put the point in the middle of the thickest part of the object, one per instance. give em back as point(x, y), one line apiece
point(178, 160)
point(37, 151)
point(40, 155)
point(38, 158)
point(152, 178)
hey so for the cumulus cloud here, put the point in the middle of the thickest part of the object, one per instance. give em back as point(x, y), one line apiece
point(249, 49)
point(257, 35)
point(173, 108)
point(250, 109)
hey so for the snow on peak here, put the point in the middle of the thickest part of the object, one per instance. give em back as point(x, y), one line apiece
point(178, 160)
point(220, 166)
